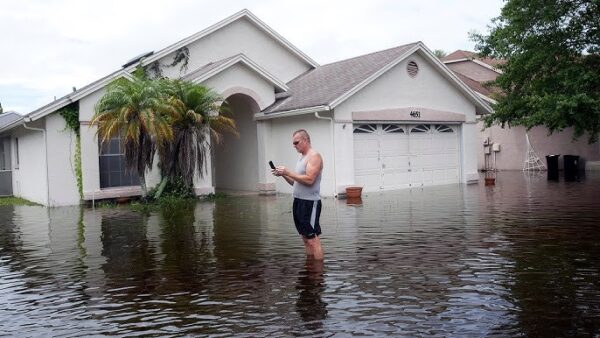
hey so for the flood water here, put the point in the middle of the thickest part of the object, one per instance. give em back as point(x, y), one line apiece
point(521, 258)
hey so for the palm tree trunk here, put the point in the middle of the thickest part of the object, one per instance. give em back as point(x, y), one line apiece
point(161, 187)
point(143, 185)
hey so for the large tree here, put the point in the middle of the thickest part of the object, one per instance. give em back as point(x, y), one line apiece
point(196, 115)
point(552, 72)
point(137, 111)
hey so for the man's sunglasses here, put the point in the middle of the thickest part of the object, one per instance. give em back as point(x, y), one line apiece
point(295, 143)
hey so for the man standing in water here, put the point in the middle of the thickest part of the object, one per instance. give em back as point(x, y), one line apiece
point(306, 181)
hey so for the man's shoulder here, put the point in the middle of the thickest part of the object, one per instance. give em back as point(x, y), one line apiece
point(313, 153)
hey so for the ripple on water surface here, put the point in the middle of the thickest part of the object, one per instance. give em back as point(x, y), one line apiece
point(520, 258)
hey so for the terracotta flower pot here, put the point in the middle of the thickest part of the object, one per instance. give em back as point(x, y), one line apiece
point(490, 181)
point(353, 192)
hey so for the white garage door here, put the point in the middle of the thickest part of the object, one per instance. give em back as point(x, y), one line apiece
point(396, 156)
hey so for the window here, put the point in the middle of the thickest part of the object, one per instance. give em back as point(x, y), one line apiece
point(17, 153)
point(4, 154)
point(421, 128)
point(392, 128)
point(113, 171)
point(442, 128)
point(364, 128)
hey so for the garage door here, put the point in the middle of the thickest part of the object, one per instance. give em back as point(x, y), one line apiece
point(397, 156)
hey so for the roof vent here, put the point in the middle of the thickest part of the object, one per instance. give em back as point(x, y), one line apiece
point(412, 68)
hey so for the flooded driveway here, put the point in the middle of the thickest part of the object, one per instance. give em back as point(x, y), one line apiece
point(521, 258)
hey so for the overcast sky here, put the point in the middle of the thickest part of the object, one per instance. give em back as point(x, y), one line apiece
point(49, 46)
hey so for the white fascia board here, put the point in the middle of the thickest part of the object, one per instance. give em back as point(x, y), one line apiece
point(485, 65)
point(481, 63)
point(487, 98)
point(75, 96)
point(243, 13)
point(372, 78)
point(241, 58)
point(293, 112)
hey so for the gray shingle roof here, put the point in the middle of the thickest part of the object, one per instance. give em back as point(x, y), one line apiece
point(9, 118)
point(324, 84)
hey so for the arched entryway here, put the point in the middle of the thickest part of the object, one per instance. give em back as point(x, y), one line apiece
point(235, 159)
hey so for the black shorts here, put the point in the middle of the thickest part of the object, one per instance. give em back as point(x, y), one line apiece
point(306, 217)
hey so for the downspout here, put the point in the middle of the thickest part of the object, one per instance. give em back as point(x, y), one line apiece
point(46, 153)
point(332, 123)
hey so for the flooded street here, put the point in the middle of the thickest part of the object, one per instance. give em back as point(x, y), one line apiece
point(521, 258)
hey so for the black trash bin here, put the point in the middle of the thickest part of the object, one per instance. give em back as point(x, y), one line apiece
point(552, 161)
point(571, 168)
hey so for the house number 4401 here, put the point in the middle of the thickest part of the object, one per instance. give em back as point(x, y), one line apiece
point(416, 114)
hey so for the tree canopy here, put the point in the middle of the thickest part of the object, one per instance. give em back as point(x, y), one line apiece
point(552, 72)
point(440, 53)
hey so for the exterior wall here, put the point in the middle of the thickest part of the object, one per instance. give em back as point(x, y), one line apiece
point(472, 70)
point(396, 89)
point(29, 175)
point(283, 152)
point(241, 36)
point(513, 146)
point(90, 164)
point(238, 79)
point(61, 165)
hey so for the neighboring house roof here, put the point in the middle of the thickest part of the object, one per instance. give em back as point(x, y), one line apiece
point(474, 85)
point(463, 55)
point(478, 87)
point(329, 85)
point(9, 120)
point(211, 69)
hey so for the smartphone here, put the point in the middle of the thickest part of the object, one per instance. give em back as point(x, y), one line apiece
point(271, 165)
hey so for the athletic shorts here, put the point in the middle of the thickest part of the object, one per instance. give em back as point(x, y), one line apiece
point(306, 217)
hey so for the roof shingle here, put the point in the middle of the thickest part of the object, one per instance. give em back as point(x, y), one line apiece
point(324, 84)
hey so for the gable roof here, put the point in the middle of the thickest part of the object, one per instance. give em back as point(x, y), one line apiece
point(327, 86)
point(473, 84)
point(239, 15)
point(213, 68)
point(9, 120)
point(324, 84)
point(151, 57)
point(463, 55)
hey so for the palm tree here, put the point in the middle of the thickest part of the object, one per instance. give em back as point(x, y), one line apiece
point(196, 113)
point(135, 109)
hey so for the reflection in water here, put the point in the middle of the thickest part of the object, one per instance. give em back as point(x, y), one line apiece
point(520, 258)
point(310, 305)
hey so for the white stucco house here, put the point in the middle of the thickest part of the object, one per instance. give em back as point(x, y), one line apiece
point(392, 119)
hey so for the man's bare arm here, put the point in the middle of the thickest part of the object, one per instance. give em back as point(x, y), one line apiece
point(313, 168)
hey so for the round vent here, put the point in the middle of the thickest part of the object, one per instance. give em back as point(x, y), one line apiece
point(412, 68)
